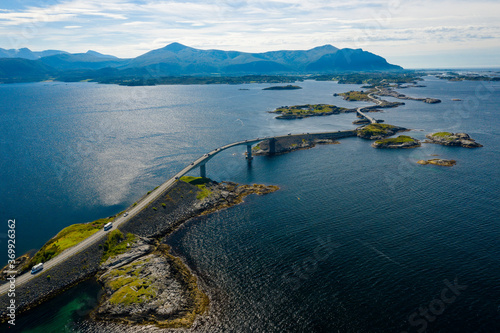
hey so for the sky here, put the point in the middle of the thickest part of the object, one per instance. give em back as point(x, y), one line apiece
point(413, 34)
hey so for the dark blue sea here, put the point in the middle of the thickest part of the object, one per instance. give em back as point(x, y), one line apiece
point(356, 240)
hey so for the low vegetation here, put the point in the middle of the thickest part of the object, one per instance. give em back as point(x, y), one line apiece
point(199, 182)
point(308, 109)
point(399, 139)
point(128, 287)
point(446, 135)
point(376, 129)
point(355, 96)
point(67, 238)
point(116, 244)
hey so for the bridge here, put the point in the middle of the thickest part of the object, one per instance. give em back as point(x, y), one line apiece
point(364, 115)
point(200, 163)
point(272, 146)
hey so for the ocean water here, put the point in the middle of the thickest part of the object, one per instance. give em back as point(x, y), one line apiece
point(356, 240)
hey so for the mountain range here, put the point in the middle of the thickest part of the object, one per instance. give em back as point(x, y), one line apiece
point(179, 60)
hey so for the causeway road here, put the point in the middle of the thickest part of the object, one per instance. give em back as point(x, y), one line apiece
point(20, 280)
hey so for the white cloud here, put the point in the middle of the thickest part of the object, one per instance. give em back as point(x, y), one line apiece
point(128, 28)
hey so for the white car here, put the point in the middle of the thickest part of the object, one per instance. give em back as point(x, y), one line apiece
point(125, 215)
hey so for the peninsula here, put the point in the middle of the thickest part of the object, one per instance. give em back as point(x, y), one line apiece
point(134, 267)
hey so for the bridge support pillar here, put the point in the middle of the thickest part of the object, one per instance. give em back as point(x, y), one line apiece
point(249, 153)
point(272, 146)
point(203, 171)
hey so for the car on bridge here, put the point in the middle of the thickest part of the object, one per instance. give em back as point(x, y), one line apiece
point(37, 268)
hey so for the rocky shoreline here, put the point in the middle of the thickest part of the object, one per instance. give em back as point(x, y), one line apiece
point(178, 205)
point(149, 287)
point(402, 141)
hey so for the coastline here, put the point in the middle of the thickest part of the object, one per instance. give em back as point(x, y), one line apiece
point(57, 280)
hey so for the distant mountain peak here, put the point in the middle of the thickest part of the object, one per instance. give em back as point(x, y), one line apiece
point(326, 47)
point(175, 47)
point(100, 55)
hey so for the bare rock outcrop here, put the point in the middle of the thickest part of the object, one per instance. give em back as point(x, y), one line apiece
point(453, 139)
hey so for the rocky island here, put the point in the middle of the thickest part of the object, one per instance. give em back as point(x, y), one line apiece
point(356, 96)
point(378, 131)
point(287, 87)
point(402, 141)
point(308, 110)
point(288, 143)
point(452, 139)
point(438, 161)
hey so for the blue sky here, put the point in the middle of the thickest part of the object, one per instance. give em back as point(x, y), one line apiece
point(414, 34)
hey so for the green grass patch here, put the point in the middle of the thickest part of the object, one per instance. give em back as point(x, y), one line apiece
point(375, 129)
point(399, 139)
point(116, 244)
point(195, 180)
point(132, 291)
point(442, 134)
point(199, 182)
point(308, 109)
point(128, 287)
point(355, 96)
point(67, 238)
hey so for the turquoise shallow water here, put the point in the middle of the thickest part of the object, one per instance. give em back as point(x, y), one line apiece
point(356, 240)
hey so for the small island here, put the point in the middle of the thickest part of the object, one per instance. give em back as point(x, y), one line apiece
point(287, 87)
point(355, 96)
point(308, 110)
point(402, 141)
point(378, 131)
point(438, 161)
point(452, 139)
